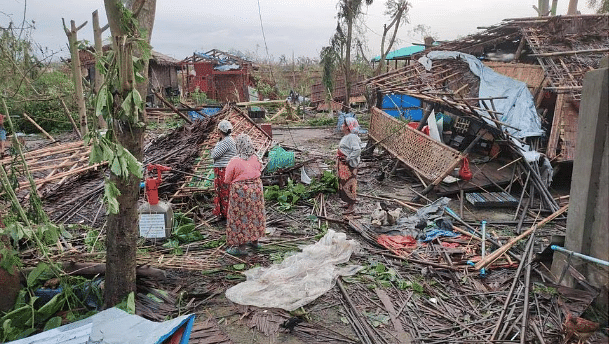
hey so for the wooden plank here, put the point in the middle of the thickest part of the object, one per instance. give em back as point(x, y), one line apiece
point(402, 336)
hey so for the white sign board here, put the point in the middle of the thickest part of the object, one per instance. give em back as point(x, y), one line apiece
point(152, 225)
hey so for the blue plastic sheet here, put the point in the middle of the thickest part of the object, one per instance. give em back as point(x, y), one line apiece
point(517, 109)
point(434, 233)
point(208, 111)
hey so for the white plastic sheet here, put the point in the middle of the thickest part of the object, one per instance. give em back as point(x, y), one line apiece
point(300, 278)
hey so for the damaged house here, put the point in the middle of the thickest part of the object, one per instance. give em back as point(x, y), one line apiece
point(544, 59)
point(318, 94)
point(163, 73)
point(549, 54)
point(222, 76)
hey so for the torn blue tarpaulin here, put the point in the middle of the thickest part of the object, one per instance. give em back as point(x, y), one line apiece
point(225, 68)
point(518, 109)
point(434, 233)
point(199, 114)
point(114, 326)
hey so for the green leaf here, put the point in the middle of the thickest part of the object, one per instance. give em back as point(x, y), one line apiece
point(102, 100)
point(96, 155)
point(128, 106)
point(51, 307)
point(238, 266)
point(18, 317)
point(134, 166)
point(137, 99)
point(110, 197)
point(53, 323)
point(131, 303)
point(41, 272)
point(116, 166)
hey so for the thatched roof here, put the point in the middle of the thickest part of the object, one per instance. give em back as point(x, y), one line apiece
point(164, 60)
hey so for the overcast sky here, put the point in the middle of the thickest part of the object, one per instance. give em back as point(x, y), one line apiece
point(291, 27)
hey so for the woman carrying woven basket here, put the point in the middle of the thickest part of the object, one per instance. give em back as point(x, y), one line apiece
point(246, 215)
point(348, 158)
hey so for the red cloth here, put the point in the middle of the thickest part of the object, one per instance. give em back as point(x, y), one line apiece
point(397, 243)
point(222, 196)
point(415, 125)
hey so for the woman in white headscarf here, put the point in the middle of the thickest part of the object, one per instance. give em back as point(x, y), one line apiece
point(224, 150)
point(246, 215)
point(348, 158)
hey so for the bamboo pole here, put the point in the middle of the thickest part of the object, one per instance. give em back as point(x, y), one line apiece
point(493, 256)
point(187, 119)
point(39, 127)
point(74, 125)
point(76, 71)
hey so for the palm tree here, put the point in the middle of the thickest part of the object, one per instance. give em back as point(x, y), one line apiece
point(349, 10)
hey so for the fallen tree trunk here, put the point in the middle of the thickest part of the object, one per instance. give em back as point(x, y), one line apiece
point(93, 269)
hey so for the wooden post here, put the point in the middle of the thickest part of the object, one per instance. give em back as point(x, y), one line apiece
point(493, 256)
point(74, 125)
point(39, 127)
point(187, 119)
point(461, 194)
point(98, 77)
point(76, 71)
point(517, 54)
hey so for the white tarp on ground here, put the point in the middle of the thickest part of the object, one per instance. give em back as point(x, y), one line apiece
point(300, 278)
point(518, 109)
point(114, 326)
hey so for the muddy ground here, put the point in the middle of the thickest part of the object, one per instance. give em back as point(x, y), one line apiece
point(325, 320)
point(326, 314)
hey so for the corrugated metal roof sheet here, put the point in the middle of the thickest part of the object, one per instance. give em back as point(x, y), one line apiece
point(403, 52)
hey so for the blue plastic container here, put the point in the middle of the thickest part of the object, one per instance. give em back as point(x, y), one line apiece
point(402, 106)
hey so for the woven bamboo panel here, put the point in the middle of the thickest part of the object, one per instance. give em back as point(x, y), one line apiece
point(418, 151)
point(242, 124)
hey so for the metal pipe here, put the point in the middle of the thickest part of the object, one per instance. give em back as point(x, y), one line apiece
point(484, 238)
point(583, 256)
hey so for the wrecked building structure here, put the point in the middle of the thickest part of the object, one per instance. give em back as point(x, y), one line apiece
point(163, 73)
point(318, 95)
point(222, 76)
point(550, 54)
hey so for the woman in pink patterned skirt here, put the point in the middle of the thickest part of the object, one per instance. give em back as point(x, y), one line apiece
point(246, 215)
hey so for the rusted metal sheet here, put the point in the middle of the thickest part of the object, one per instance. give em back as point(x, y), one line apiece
point(429, 158)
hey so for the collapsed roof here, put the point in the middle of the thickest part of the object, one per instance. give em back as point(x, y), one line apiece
point(564, 47)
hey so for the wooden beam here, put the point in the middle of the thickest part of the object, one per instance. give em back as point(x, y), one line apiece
point(39, 127)
point(493, 256)
point(571, 52)
point(183, 116)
